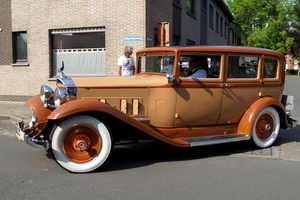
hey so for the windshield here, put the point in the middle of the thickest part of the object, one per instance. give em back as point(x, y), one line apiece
point(156, 64)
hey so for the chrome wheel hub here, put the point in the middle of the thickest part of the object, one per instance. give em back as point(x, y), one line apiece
point(268, 127)
point(81, 145)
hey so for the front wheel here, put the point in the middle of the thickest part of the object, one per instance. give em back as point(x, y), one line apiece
point(81, 143)
point(266, 127)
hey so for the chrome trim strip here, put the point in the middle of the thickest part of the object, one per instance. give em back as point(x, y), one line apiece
point(219, 139)
point(141, 118)
point(39, 144)
point(21, 135)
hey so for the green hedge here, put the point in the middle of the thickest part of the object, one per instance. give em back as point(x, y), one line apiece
point(291, 72)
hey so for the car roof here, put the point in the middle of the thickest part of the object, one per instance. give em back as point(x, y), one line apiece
point(232, 49)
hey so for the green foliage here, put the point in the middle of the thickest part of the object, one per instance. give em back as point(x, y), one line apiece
point(264, 22)
point(294, 31)
point(290, 72)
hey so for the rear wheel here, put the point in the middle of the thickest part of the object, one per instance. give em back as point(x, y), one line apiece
point(81, 143)
point(266, 127)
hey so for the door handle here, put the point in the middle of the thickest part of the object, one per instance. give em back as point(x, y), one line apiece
point(225, 85)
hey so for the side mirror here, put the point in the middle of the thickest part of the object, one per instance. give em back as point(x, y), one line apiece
point(170, 78)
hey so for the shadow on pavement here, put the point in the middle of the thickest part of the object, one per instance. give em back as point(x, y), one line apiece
point(149, 152)
point(288, 135)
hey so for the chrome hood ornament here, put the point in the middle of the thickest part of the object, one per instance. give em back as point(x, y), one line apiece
point(60, 70)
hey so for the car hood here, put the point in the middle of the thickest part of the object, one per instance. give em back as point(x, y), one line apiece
point(120, 81)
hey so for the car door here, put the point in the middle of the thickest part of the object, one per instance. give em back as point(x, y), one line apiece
point(241, 86)
point(199, 100)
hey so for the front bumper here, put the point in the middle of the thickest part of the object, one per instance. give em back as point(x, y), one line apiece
point(22, 135)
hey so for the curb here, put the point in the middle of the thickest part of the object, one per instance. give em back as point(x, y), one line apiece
point(13, 119)
point(4, 117)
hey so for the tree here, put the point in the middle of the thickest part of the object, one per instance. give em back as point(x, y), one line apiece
point(264, 22)
point(294, 31)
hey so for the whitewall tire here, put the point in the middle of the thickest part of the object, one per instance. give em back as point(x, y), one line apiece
point(266, 127)
point(81, 143)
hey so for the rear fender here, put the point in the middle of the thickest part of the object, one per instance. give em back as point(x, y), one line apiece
point(85, 105)
point(248, 119)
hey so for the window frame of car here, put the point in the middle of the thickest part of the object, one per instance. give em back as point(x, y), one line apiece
point(155, 53)
point(202, 53)
point(280, 72)
point(243, 79)
point(261, 54)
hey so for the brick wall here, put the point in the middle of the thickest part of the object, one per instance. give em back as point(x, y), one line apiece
point(120, 19)
point(5, 33)
point(214, 37)
point(190, 24)
point(289, 61)
point(157, 11)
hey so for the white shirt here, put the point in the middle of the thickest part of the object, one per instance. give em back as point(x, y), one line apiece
point(198, 73)
point(126, 65)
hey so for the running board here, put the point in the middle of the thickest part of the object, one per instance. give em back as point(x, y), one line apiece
point(217, 139)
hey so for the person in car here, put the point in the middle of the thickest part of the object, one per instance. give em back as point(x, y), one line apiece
point(196, 70)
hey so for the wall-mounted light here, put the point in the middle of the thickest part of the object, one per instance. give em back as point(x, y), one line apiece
point(232, 25)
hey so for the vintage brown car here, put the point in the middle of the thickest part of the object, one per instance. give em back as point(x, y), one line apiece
point(239, 97)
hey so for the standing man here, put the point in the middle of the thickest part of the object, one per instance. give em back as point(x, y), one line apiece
point(126, 63)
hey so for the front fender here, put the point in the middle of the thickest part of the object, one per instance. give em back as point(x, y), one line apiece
point(38, 109)
point(85, 105)
point(248, 119)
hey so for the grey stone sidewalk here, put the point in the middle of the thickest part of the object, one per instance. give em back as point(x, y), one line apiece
point(14, 111)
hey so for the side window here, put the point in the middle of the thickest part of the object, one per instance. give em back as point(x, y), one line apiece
point(20, 47)
point(270, 68)
point(156, 64)
point(242, 67)
point(200, 66)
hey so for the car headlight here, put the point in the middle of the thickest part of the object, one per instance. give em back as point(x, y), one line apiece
point(33, 122)
point(61, 96)
point(46, 93)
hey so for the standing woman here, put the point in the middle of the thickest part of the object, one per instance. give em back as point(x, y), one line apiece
point(126, 63)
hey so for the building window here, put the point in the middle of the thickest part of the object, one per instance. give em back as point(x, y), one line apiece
point(156, 38)
point(226, 30)
point(221, 25)
point(177, 2)
point(20, 47)
point(217, 21)
point(190, 42)
point(211, 16)
point(81, 50)
point(190, 6)
point(176, 40)
point(204, 5)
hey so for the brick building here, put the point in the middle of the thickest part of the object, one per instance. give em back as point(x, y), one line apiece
point(90, 35)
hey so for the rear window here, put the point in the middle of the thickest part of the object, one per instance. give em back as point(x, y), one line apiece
point(270, 68)
point(242, 67)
